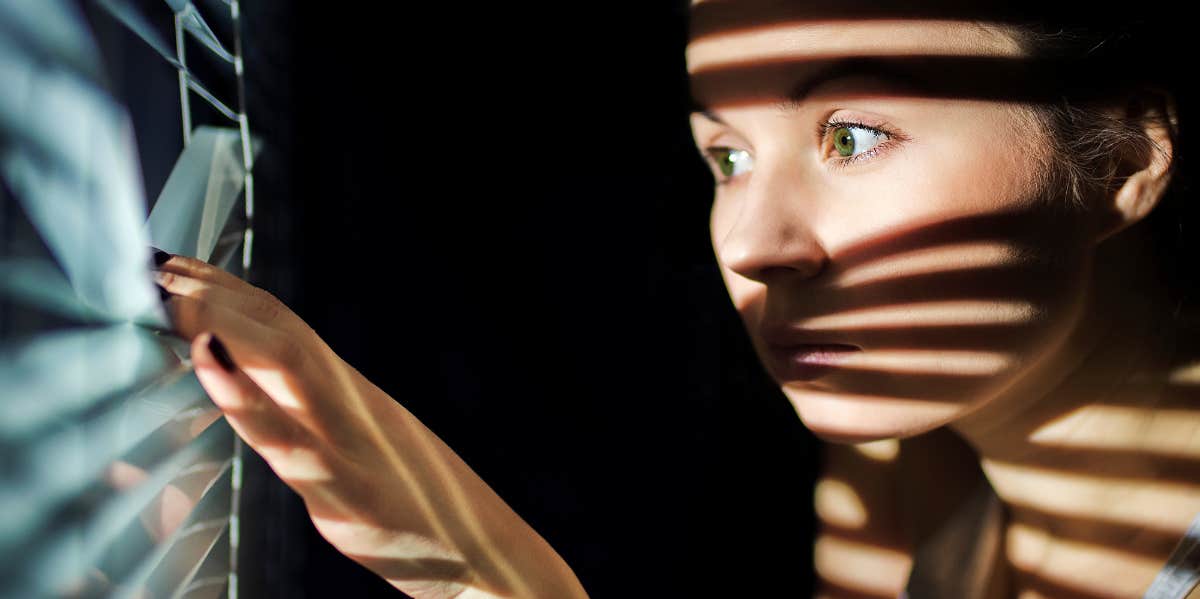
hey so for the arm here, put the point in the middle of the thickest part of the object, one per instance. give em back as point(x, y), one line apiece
point(378, 485)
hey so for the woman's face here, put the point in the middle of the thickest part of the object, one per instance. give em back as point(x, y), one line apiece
point(889, 248)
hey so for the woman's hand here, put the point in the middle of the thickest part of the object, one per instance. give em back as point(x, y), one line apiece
point(378, 485)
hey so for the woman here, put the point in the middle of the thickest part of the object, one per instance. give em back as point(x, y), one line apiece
point(949, 272)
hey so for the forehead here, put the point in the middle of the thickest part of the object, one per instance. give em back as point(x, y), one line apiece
point(732, 59)
point(845, 38)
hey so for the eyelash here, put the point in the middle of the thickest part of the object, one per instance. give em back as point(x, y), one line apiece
point(825, 127)
point(823, 130)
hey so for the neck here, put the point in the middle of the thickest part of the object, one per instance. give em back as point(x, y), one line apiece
point(1095, 454)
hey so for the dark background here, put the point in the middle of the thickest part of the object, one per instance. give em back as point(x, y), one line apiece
point(498, 216)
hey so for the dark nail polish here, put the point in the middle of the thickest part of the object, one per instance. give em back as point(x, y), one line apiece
point(160, 257)
point(163, 294)
point(220, 353)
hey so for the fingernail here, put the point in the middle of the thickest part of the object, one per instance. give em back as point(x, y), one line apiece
point(160, 257)
point(220, 353)
point(163, 294)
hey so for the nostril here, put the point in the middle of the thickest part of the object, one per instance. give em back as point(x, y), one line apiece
point(769, 239)
point(805, 269)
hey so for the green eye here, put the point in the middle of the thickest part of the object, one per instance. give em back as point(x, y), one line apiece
point(730, 162)
point(843, 141)
point(854, 140)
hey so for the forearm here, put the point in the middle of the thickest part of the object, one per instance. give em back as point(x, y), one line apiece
point(465, 542)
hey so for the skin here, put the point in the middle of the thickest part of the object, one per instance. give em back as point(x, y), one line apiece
point(999, 335)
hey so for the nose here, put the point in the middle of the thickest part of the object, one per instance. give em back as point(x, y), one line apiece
point(764, 235)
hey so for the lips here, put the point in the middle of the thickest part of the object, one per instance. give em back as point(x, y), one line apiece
point(797, 356)
point(808, 361)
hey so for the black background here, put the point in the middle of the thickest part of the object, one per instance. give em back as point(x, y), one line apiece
point(499, 217)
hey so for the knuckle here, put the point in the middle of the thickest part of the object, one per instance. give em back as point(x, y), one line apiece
point(201, 294)
point(287, 352)
point(266, 307)
point(166, 279)
point(213, 273)
point(184, 263)
point(201, 309)
point(181, 313)
point(191, 316)
point(199, 268)
point(193, 262)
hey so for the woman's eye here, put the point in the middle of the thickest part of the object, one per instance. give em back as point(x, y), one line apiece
point(853, 140)
point(730, 162)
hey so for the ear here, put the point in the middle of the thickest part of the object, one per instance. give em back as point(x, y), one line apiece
point(1140, 174)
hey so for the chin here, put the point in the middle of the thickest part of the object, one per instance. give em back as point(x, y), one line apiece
point(851, 419)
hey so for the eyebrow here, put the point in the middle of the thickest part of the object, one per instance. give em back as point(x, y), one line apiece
point(882, 69)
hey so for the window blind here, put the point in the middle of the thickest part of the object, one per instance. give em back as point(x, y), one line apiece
point(118, 477)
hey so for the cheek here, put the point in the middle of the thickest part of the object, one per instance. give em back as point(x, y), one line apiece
point(981, 162)
point(922, 368)
point(747, 295)
point(719, 220)
point(938, 179)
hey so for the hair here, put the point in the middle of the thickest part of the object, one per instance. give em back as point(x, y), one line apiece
point(1086, 132)
point(1090, 131)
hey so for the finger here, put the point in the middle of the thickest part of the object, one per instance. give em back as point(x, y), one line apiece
point(247, 407)
point(270, 358)
point(314, 468)
point(199, 269)
point(288, 446)
point(252, 301)
point(266, 347)
point(286, 372)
